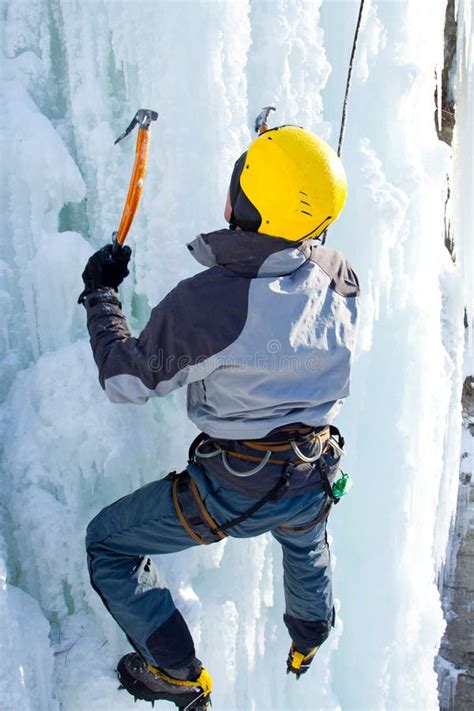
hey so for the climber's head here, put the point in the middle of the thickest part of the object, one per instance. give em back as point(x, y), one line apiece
point(289, 183)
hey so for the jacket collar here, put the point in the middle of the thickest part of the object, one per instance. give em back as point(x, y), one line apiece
point(249, 253)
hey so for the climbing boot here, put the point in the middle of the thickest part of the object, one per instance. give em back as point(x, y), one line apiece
point(188, 687)
point(299, 662)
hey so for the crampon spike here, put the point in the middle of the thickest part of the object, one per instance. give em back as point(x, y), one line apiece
point(192, 705)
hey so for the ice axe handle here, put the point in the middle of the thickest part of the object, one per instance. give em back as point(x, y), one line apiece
point(142, 119)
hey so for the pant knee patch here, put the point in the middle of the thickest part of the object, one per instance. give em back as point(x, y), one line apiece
point(307, 634)
point(171, 644)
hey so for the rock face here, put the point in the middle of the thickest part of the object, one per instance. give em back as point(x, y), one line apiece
point(455, 662)
point(445, 127)
point(456, 656)
point(445, 105)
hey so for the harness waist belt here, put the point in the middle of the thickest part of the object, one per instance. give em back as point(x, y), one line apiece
point(315, 442)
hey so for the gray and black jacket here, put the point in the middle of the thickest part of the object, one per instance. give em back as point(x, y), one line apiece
point(263, 337)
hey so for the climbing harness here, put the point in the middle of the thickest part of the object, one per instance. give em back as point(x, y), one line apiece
point(142, 119)
point(191, 510)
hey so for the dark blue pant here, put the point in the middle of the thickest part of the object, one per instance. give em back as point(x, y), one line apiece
point(122, 535)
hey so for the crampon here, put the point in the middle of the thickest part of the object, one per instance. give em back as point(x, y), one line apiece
point(298, 663)
point(142, 681)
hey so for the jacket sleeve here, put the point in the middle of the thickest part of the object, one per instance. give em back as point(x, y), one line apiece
point(133, 369)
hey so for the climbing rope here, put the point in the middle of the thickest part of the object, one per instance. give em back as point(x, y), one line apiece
point(346, 94)
point(349, 77)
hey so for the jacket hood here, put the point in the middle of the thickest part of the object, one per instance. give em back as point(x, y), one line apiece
point(249, 253)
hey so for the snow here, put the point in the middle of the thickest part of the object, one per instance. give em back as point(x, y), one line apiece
point(73, 74)
point(26, 681)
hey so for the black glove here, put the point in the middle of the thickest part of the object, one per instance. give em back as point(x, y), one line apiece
point(105, 269)
point(299, 662)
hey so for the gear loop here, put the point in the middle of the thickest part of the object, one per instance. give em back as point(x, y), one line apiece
point(253, 471)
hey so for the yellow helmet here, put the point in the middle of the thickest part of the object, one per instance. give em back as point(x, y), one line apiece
point(289, 183)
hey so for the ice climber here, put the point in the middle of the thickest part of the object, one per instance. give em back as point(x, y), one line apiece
point(263, 339)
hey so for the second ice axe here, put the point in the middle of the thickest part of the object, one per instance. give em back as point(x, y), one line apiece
point(261, 124)
point(142, 119)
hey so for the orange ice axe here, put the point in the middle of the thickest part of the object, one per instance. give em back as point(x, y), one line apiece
point(142, 119)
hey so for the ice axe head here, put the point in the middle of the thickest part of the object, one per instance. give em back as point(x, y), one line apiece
point(261, 124)
point(142, 119)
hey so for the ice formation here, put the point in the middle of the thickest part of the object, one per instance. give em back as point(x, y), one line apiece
point(74, 74)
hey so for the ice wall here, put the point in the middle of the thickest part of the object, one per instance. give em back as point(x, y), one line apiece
point(74, 74)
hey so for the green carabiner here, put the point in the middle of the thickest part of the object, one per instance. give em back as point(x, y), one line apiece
point(342, 486)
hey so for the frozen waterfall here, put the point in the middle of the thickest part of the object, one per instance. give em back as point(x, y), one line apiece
point(73, 74)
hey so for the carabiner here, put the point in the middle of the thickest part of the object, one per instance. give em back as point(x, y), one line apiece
point(339, 450)
point(302, 456)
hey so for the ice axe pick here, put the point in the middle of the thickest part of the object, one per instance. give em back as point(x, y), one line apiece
point(142, 119)
point(261, 124)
